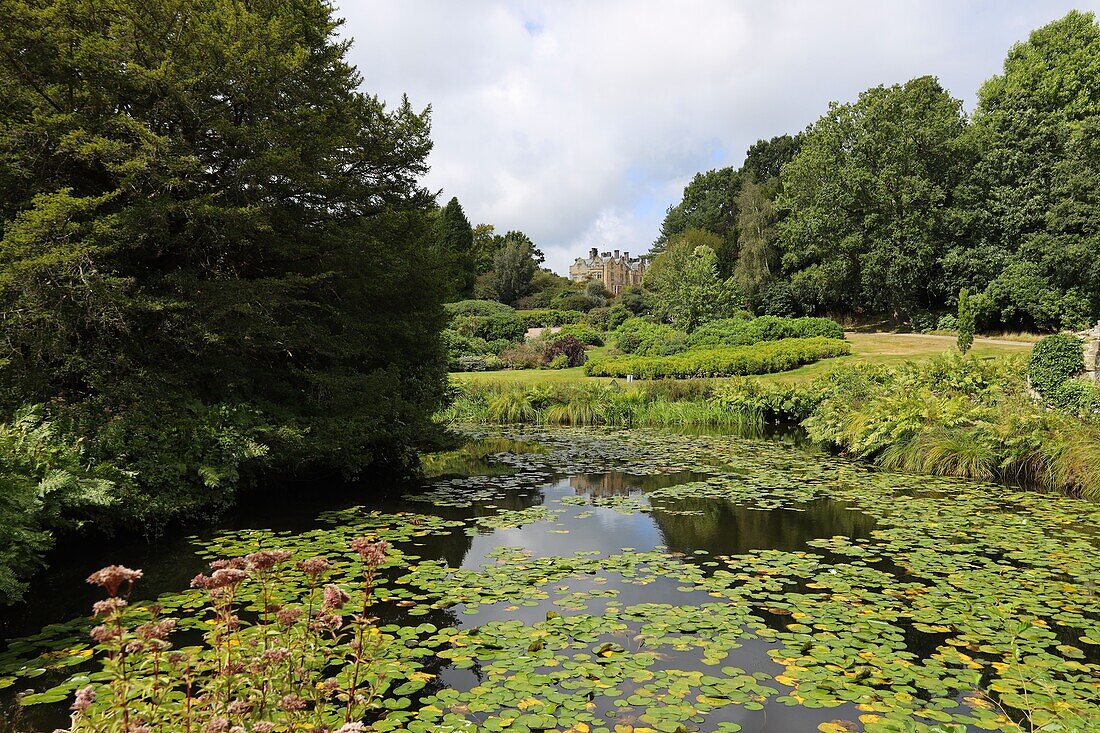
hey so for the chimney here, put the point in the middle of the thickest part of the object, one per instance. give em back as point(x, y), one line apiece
point(616, 254)
point(592, 253)
point(626, 255)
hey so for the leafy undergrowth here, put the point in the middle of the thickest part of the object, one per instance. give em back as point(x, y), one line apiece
point(964, 609)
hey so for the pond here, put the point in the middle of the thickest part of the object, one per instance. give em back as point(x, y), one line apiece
point(630, 580)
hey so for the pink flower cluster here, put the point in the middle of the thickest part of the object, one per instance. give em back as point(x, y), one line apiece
point(373, 552)
point(223, 577)
point(112, 577)
point(266, 559)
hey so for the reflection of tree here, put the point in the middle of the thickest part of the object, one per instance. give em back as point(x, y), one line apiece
point(602, 484)
point(725, 528)
point(617, 483)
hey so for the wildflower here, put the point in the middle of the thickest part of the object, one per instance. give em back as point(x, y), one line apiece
point(239, 707)
point(291, 703)
point(237, 729)
point(276, 655)
point(216, 725)
point(372, 552)
point(314, 566)
point(352, 727)
point(112, 577)
point(102, 634)
point(288, 616)
point(157, 629)
point(84, 699)
point(335, 597)
point(266, 559)
point(108, 606)
point(235, 563)
point(220, 578)
point(263, 727)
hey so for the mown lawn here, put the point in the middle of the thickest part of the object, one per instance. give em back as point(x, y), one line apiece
point(879, 348)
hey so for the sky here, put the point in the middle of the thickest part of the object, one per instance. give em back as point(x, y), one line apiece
point(580, 122)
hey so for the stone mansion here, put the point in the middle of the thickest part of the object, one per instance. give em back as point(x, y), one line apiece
point(614, 270)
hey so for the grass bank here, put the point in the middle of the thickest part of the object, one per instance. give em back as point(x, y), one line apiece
point(887, 349)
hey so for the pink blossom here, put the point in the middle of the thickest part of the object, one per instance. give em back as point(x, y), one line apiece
point(266, 559)
point(102, 634)
point(291, 703)
point(263, 727)
point(287, 616)
point(84, 699)
point(373, 552)
point(314, 566)
point(216, 725)
point(335, 597)
point(112, 577)
point(236, 563)
point(108, 606)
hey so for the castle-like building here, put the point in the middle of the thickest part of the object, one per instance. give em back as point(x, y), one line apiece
point(614, 270)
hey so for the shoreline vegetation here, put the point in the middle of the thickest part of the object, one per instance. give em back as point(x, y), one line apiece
point(950, 415)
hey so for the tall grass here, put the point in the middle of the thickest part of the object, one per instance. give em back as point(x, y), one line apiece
point(594, 405)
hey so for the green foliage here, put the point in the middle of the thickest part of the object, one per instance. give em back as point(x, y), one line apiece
point(599, 318)
point(579, 331)
point(570, 347)
point(965, 321)
point(546, 317)
point(957, 416)
point(687, 288)
point(617, 316)
point(46, 481)
point(709, 204)
point(757, 239)
point(646, 338)
point(763, 358)
point(742, 332)
point(479, 308)
point(503, 327)
point(514, 267)
point(1055, 359)
point(1079, 397)
point(870, 198)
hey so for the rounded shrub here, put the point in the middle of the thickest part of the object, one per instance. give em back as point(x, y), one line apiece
point(1054, 361)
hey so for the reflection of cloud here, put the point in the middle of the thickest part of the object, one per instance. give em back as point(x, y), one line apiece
point(576, 120)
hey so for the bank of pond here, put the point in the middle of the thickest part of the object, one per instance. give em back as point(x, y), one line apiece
point(599, 579)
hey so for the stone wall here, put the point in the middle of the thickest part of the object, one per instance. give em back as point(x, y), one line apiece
point(1092, 352)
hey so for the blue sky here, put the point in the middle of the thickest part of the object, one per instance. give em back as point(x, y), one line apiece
point(580, 121)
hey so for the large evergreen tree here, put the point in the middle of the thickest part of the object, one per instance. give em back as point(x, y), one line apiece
point(456, 249)
point(212, 245)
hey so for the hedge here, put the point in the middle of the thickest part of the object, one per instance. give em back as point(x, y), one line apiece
point(646, 338)
point(546, 317)
point(481, 308)
point(1054, 361)
point(725, 361)
point(740, 332)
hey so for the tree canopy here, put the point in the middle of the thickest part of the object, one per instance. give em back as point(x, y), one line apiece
point(213, 248)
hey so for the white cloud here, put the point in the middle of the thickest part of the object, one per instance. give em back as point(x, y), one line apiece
point(579, 121)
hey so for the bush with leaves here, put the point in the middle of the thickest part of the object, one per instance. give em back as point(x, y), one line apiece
point(742, 331)
point(966, 321)
point(722, 361)
point(583, 333)
point(1080, 396)
point(646, 338)
point(1055, 360)
point(45, 481)
point(570, 347)
point(549, 317)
